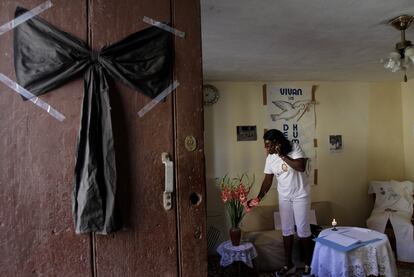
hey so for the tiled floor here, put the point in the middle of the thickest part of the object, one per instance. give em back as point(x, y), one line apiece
point(214, 269)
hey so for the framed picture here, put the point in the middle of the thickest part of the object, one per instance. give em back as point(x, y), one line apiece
point(335, 143)
point(246, 133)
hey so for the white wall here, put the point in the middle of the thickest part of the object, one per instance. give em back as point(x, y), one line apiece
point(367, 115)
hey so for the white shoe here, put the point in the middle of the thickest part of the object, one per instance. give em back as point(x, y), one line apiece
point(307, 271)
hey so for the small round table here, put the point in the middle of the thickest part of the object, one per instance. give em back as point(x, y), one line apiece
point(375, 258)
point(245, 253)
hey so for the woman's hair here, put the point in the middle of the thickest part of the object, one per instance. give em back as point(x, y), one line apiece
point(277, 136)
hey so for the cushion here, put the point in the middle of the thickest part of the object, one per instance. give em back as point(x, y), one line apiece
point(392, 195)
point(408, 186)
point(260, 218)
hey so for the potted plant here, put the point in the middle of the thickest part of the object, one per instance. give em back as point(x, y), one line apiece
point(234, 193)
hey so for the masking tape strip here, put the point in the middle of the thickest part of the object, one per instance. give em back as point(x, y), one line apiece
point(157, 99)
point(31, 97)
point(163, 26)
point(24, 17)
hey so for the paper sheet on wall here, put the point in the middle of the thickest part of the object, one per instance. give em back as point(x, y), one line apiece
point(291, 110)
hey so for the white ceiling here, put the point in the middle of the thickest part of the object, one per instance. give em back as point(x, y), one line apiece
point(300, 40)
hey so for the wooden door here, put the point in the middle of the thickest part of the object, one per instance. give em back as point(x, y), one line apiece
point(37, 164)
point(37, 158)
point(148, 245)
point(156, 242)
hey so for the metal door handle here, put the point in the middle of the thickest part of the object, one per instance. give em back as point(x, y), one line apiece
point(169, 180)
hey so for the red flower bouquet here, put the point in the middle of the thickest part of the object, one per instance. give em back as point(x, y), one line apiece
point(234, 193)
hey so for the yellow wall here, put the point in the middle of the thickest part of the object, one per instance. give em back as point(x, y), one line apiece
point(408, 127)
point(367, 115)
point(385, 132)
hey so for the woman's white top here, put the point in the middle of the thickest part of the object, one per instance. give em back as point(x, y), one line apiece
point(290, 183)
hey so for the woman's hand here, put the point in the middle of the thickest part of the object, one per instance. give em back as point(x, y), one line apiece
point(278, 147)
point(253, 202)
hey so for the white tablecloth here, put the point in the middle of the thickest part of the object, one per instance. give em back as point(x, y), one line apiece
point(375, 258)
point(245, 252)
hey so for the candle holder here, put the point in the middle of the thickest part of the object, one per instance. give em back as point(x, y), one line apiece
point(334, 225)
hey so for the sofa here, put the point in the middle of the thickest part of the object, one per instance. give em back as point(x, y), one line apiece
point(258, 227)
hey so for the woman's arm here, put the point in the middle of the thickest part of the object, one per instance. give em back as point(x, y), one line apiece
point(296, 164)
point(266, 184)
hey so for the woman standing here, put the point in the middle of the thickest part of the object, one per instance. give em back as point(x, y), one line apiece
point(287, 162)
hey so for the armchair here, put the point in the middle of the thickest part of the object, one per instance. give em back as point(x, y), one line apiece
point(394, 206)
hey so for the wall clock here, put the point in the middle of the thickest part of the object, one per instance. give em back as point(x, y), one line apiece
point(211, 94)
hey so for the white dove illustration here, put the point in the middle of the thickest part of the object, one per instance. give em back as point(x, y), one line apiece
point(289, 110)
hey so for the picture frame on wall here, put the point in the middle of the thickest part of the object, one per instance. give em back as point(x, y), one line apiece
point(246, 133)
point(335, 143)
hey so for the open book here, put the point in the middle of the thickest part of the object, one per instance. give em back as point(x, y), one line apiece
point(341, 239)
point(361, 234)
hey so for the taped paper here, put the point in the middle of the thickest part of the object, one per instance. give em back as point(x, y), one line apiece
point(31, 97)
point(163, 26)
point(157, 99)
point(24, 17)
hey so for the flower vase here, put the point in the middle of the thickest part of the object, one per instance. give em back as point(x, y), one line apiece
point(235, 236)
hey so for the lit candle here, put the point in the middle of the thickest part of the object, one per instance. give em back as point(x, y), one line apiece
point(334, 225)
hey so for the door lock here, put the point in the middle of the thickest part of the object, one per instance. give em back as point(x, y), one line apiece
point(190, 143)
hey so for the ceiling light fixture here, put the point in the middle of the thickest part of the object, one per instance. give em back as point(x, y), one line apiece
point(402, 57)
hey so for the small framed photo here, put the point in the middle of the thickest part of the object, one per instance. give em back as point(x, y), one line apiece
point(335, 143)
point(246, 133)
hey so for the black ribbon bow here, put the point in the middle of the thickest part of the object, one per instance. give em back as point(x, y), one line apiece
point(46, 57)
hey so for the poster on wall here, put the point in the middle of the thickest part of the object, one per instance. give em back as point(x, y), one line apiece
point(291, 109)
